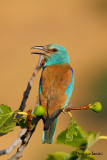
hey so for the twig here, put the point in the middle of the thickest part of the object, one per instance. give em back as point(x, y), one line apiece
point(14, 144)
point(69, 108)
point(40, 64)
point(25, 137)
point(28, 133)
point(18, 154)
point(25, 140)
point(26, 93)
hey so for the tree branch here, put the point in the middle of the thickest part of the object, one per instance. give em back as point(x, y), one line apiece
point(40, 64)
point(25, 140)
point(19, 152)
point(69, 108)
point(14, 144)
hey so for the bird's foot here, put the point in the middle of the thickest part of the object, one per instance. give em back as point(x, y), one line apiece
point(67, 109)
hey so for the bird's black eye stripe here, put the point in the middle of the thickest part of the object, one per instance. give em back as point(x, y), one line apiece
point(55, 50)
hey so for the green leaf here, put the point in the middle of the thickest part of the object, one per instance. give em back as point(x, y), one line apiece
point(72, 130)
point(92, 138)
point(59, 156)
point(22, 122)
point(88, 157)
point(6, 119)
point(74, 155)
point(81, 155)
point(73, 136)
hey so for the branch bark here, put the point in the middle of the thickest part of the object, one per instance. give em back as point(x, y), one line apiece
point(40, 64)
point(69, 108)
point(25, 140)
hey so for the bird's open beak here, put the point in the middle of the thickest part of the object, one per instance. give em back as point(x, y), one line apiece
point(40, 48)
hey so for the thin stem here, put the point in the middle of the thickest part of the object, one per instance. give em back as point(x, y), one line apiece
point(24, 113)
point(102, 137)
point(70, 114)
point(80, 108)
point(27, 91)
point(69, 108)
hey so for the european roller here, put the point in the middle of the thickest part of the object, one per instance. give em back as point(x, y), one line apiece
point(55, 87)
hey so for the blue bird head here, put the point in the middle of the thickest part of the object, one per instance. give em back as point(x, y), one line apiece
point(53, 53)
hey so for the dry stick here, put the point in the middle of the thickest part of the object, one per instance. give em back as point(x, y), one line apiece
point(14, 144)
point(22, 107)
point(21, 148)
point(26, 137)
point(25, 140)
point(26, 93)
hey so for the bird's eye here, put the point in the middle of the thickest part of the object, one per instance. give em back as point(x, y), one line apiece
point(55, 50)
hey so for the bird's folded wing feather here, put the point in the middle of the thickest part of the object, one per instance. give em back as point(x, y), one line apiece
point(55, 85)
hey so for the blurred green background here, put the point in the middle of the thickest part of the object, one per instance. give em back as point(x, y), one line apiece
point(79, 26)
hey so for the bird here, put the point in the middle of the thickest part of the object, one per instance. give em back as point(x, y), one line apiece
point(55, 86)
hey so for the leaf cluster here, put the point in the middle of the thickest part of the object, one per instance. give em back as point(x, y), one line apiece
point(8, 120)
point(75, 136)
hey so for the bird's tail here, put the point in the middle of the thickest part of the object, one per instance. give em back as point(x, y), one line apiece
point(48, 135)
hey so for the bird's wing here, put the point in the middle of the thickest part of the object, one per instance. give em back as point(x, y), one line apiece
point(56, 86)
point(69, 90)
